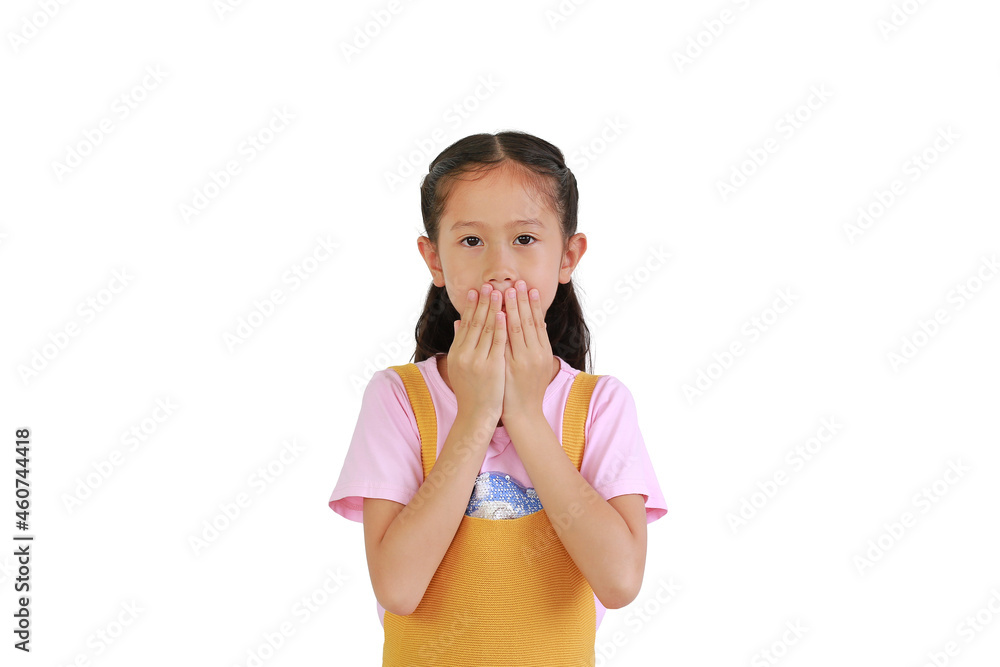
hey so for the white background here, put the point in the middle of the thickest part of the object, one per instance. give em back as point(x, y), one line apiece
point(660, 136)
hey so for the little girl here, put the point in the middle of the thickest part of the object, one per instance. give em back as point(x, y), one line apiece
point(504, 490)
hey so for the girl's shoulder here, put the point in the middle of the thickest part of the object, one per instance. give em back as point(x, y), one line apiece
point(611, 398)
point(386, 387)
point(607, 384)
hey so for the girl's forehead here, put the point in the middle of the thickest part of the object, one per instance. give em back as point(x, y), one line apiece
point(497, 199)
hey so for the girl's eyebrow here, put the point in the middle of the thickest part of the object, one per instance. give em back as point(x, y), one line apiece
point(462, 224)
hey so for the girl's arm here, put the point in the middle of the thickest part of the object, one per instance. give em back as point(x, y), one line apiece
point(406, 543)
point(605, 538)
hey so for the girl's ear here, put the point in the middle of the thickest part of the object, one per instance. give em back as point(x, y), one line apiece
point(576, 246)
point(432, 259)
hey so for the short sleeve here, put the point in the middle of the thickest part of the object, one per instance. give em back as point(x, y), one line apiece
point(615, 459)
point(383, 459)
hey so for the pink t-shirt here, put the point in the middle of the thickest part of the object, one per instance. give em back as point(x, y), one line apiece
point(383, 460)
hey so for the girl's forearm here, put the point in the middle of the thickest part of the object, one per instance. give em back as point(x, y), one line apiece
point(416, 541)
point(594, 534)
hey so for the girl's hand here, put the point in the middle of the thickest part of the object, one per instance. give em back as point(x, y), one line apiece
point(476, 356)
point(528, 370)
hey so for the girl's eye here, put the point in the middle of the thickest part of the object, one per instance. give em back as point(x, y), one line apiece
point(521, 236)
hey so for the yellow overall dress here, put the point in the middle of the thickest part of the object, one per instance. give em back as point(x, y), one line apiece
point(506, 591)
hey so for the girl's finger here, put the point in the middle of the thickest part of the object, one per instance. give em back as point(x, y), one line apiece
point(515, 328)
point(500, 336)
point(471, 299)
point(490, 323)
point(539, 317)
point(528, 318)
point(479, 316)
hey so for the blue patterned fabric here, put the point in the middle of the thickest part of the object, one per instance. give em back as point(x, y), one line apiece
point(500, 496)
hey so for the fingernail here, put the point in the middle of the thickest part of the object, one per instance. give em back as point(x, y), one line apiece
point(472, 295)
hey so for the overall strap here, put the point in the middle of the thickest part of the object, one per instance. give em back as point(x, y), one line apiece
point(574, 416)
point(423, 410)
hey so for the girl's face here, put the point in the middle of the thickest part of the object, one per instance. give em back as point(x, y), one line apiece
point(494, 231)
